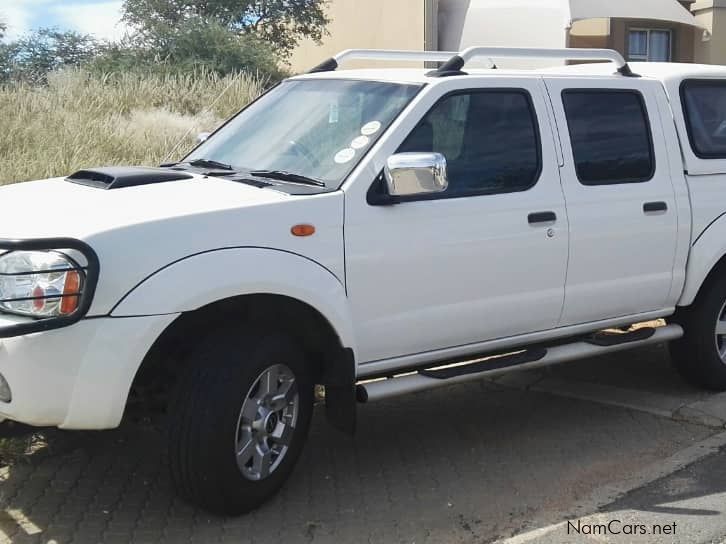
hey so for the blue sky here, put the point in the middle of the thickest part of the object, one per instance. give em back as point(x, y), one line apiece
point(98, 17)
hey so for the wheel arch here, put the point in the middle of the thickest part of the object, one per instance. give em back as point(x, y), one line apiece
point(707, 260)
point(331, 363)
point(260, 284)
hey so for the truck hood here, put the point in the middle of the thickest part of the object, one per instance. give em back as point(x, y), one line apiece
point(59, 208)
point(137, 231)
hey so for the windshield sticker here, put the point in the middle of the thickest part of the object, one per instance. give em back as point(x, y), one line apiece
point(360, 142)
point(345, 156)
point(334, 115)
point(371, 128)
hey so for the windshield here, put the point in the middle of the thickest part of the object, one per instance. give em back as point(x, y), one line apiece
point(319, 129)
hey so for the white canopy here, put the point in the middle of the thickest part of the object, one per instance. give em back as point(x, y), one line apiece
point(540, 23)
point(661, 10)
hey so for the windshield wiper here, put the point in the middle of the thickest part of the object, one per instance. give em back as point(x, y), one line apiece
point(287, 176)
point(207, 163)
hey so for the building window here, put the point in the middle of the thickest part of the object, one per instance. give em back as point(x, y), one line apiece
point(650, 45)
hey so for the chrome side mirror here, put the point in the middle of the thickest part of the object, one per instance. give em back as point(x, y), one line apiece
point(203, 137)
point(410, 174)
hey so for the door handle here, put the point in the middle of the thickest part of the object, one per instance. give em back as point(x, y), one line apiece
point(655, 207)
point(542, 217)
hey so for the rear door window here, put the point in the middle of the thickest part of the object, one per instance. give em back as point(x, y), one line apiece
point(610, 134)
point(704, 106)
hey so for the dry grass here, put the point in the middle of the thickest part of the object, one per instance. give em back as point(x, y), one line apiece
point(80, 120)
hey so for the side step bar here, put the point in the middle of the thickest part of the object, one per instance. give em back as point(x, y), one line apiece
point(524, 360)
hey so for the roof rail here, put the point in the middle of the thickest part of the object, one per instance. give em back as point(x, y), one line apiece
point(455, 62)
point(332, 64)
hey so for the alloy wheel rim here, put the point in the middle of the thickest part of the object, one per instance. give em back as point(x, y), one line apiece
point(721, 333)
point(266, 422)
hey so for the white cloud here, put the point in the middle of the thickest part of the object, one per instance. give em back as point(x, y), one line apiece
point(102, 19)
point(18, 18)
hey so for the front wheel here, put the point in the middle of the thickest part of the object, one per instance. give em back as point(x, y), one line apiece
point(239, 420)
point(700, 356)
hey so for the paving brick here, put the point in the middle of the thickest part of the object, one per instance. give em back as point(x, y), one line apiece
point(455, 465)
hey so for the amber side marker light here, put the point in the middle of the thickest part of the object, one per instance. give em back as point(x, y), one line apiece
point(303, 230)
point(69, 304)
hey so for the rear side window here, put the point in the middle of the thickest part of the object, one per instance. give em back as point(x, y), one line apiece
point(490, 139)
point(610, 135)
point(704, 105)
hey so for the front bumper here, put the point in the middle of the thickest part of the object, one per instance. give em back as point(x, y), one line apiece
point(77, 377)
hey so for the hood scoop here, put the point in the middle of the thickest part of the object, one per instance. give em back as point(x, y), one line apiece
point(120, 177)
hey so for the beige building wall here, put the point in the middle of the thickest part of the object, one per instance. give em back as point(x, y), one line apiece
point(415, 24)
point(369, 24)
point(592, 33)
point(712, 13)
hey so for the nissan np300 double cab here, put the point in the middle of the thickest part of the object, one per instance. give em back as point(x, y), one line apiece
point(367, 231)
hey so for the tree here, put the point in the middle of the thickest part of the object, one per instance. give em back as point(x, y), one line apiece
point(191, 45)
point(33, 56)
point(282, 23)
point(3, 29)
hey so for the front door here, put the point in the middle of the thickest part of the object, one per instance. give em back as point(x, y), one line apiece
point(484, 260)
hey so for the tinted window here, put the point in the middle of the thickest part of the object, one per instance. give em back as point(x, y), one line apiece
point(610, 134)
point(704, 103)
point(490, 140)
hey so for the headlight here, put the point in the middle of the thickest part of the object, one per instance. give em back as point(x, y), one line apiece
point(40, 284)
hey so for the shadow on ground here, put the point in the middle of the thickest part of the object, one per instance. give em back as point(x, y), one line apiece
point(463, 464)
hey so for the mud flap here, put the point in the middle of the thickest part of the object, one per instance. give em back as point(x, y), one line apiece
point(340, 400)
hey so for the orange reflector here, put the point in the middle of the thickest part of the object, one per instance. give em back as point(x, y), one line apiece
point(69, 304)
point(303, 230)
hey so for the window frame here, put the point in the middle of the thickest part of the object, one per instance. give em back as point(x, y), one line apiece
point(648, 126)
point(705, 82)
point(639, 58)
point(378, 196)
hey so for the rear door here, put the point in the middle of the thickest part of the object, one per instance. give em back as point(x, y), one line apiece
point(619, 196)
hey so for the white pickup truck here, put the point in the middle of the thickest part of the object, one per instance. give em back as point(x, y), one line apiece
point(367, 231)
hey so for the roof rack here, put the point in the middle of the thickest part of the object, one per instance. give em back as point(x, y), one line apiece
point(332, 64)
point(455, 62)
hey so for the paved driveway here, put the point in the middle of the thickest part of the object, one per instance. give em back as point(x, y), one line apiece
point(464, 464)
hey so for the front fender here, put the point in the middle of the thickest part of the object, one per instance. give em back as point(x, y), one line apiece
point(199, 280)
point(706, 252)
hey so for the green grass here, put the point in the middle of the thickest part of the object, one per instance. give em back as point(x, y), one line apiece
point(81, 120)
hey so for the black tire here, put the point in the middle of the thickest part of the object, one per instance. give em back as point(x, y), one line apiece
point(204, 415)
point(696, 356)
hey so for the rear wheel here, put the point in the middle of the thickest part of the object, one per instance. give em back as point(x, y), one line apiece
point(239, 420)
point(700, 356)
